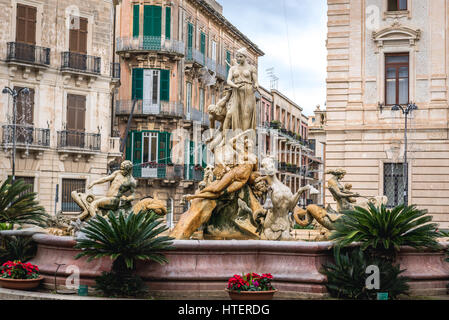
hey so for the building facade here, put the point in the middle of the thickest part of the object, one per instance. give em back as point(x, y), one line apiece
point(383, 53)
point(62, 52)
point(174, 56)
point(283, 133)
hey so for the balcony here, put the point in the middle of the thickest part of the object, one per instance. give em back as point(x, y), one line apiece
point(28, 53)
point(211, 64)
point(145, 108)
point(28, 138)
point(149, 43)
point(79, 144)
point(80, 63)
point(196, 57)
point(198, 116)
point(153, 170)
point(114, 147)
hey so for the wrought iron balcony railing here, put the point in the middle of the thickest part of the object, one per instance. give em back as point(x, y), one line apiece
point(211, 64)
point(146, 107)
point(80, 62)
point(28, 53)
point(115, 71)
point(153, 170)
point(26, 135)
point(193, 55)
point(70, 139)
point(198, 116)
point(150, 43)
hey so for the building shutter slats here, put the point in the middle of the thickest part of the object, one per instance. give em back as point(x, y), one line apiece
point(26, 24)
point(167, 22)
point(165, 85)
point(137, 84)
point(136, 20)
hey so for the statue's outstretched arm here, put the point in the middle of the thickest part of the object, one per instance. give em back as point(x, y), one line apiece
point(102, 180)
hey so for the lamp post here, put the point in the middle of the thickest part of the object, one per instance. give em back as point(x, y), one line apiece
point(14, 93)
point(406, 111)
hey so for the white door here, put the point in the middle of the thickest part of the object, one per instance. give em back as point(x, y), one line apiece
point(151, 97)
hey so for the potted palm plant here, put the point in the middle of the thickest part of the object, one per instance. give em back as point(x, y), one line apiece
point(251, 286)
point(20, 276)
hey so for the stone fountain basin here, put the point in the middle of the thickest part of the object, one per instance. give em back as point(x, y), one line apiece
point(200, 269)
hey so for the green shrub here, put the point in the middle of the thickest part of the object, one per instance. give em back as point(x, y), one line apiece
point(111, 284)
point(17, 206)
point(125, 238)
point(17, 248)
point(346, 279)
point(383, 229)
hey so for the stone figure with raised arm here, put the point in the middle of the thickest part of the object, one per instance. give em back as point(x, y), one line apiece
point(122, 182)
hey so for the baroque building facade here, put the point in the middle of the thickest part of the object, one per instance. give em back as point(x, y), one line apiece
point(62, 52)
point(383, 53)
point(175, 57)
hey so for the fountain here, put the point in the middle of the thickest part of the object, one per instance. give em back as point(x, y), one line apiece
point(246, 213)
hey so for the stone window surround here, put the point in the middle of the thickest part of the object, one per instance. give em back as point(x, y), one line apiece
point(36, 100)
point(405, 44)
point(39, 5)
point(397, 14)
point(400, 159)
point(86, 178)
point(89, 121)
point(90, 23)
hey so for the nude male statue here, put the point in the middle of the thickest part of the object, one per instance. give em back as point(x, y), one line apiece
point(122, 182)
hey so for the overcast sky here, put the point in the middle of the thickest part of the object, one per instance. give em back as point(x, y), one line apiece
point(267, 23)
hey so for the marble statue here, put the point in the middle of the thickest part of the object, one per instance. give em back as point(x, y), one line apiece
point(121, 181)
point(242, 78)
point(277, 225)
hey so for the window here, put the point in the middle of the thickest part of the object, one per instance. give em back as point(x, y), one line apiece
point(26, 24)
point(76, 118)
point(29, 181)
point(397, 78)
point(152, 86)
point(189, 41)
point(25, 107)
point(149, 147)
point(394, 183)
point(189, 96)
point(69, 185)
point(201, 100)
point(167, 22)
point(397, 5)
point(136, 20)
point(214, 51)
point(78, 37)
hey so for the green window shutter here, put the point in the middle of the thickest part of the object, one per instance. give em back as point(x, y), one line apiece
point(228, 59)
point(128, 147)
point(137, 84)
point(137, 153)
point(152, 21)
point(203, 43)
point(189, 41)
point(169, 147)
point(162, 148)
point(167, 22)
point(136, 23)
point(165, 85)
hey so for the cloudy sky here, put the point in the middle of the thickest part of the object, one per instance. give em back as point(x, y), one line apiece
point(292, 33)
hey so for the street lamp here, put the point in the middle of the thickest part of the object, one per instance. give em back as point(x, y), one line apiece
point(14, 93)
point(406, 111)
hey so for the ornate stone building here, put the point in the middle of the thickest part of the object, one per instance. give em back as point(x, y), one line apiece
point(62, 52)
point(283, 133)
point(174, 56)
point(383, 53)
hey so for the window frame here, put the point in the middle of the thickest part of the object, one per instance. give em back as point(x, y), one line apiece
point(396, 65)
point(397, 6)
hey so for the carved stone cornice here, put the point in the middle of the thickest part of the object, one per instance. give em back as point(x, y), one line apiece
point(396, 33)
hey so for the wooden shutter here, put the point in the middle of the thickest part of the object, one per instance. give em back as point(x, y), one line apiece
point(128, 147)
point(137, 84)
point(203, 43)
point(78, 37)
point(26, 24)
point(152, 21)
point(137, 153)
point(190, 36)
point(25, 114)
point(162, 148)
point(167, 22)
point(76, 112)
point(165, 85)
point(136, 20)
